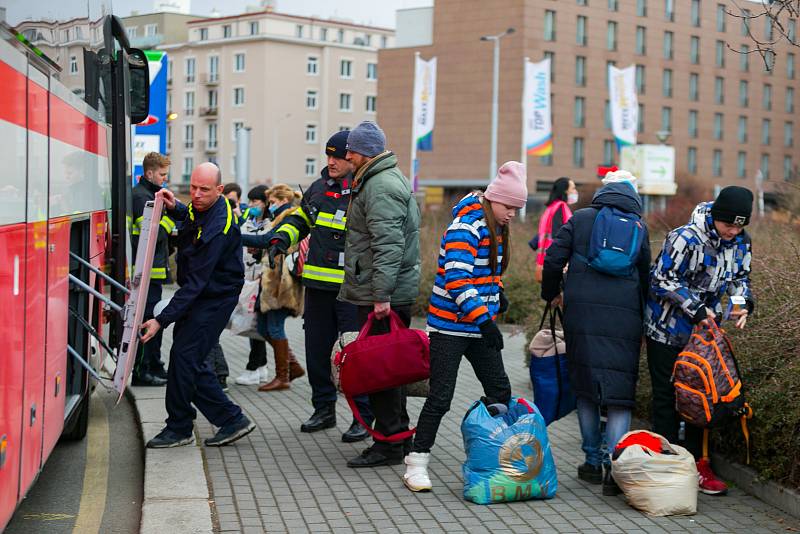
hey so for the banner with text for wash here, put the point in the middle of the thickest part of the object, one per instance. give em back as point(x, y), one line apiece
point(537, 123)
point(424, 102)
point(624, 105)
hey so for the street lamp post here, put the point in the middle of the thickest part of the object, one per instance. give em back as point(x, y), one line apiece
point(495, 89)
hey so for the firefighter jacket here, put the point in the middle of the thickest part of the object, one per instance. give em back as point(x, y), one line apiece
point(143, 192)
point(209, 258)
point(324, 267)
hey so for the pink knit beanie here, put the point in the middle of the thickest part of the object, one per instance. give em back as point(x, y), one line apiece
point(509, 186)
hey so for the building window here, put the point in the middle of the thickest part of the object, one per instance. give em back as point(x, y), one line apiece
point(188, 103)
point(150, 30)
point(580, 31)
point(372, 71)
point(371, 104)
point(188, 136)
point(666, 119)
point(226, 31)
point(311, 99)
point(577, 152)
point(607, 115)
point(384, 41)
point(789, 103)
point(238, 96)
point(204, 34)
point(765, 166)
point(311, 133)
point(188, 167)
point(669, 10)
point(766, 97)
point(190, 70)
point(640, 119)
point(613, 5)
point(791, 31)
point(693, 123)
point(132, 32)
point(668, 45)
point(345, 68)
point(340, 36)
point(311, 167)
point(741, 164)
point(212, 99)
point(641, 40)
point(741, 130)
point(609, 63)
point(552, 57)
point(788, 134)
point(323, 34)
point(666, 83)
point(213, 68)
point(549, 25)
point(254, 28)
point(344, 102)
point(790, 66)
point(611, 35)
point(744, 29)
point(694, 83)
point(299, 31)
point(73, 64)
point(744, 93)
point(312, 64)
point(237, 125)
point(721, 14)
point(169, 138)
point(691, 160)
point(769, 61)
point(719, 90)
point(608, 152)
point(765, 131)
point(716, 162)
point(744, 58)
point(768, 33)
point(578, 111)
point(367, 39)
point(169, 71)
point(212, 135)
point(696, 13)
point(640, 79)
point(238, 63)
point(583, 2)
point(719, 59)
point(641, 8)
point(580, 71)
point(787, 168)
point(546, 161)
point(718, 126)
point(694, 49)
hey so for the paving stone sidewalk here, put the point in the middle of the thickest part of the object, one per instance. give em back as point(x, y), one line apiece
point(281, 480)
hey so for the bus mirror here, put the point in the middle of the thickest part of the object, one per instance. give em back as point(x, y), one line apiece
point(139, 76)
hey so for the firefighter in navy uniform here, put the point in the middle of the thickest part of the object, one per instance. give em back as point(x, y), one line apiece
point(148, 370)
point(211, 276)
point(322, 216)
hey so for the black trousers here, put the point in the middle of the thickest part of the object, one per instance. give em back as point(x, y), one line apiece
point(661, 360)
point(324, 317)
point(389, 406)
point(148, 355)
point(258, 353)
point(446, 352)
point(216, 359)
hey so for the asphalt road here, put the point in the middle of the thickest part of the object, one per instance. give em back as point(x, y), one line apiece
point(93, 485)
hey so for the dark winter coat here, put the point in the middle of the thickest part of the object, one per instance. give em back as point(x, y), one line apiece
point(603, 314)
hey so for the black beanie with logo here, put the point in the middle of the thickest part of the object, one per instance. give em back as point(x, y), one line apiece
point(734, 205)
point(337, 145)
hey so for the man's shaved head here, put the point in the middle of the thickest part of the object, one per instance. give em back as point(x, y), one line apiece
point(205, 185)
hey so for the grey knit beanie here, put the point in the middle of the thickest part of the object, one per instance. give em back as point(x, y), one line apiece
point(366, 139)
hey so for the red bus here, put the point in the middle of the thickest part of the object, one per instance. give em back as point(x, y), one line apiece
point(70, 87)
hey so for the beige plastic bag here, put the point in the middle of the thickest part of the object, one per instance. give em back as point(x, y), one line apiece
point(655, 483)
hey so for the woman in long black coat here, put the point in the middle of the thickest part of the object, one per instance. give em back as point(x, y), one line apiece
point(603, 327)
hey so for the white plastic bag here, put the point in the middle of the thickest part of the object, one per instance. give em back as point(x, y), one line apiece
point(658, 484)
point(243, 320)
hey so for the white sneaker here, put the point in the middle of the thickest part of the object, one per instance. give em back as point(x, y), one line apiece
point(416, 475)
point(248, 378)
point(262, 374)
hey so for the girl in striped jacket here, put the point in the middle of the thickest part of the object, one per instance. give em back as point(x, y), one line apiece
point(467, 296)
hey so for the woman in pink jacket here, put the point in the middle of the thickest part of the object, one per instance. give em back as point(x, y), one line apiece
point(556, 214)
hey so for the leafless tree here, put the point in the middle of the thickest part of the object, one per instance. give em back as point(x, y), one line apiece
point(780, 21)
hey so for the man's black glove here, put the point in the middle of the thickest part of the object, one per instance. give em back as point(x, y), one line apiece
point(491, 334)
point(277, 245)
point(503, 302)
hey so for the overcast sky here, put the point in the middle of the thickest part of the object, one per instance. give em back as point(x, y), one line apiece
point(371, 12)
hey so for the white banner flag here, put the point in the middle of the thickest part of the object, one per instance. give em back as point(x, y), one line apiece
point(624, 105)
point(537, 124)
point(424, 102)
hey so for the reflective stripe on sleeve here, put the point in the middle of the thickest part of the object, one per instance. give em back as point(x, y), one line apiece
point(294, 234)
point(324, 274)
point(329, 220)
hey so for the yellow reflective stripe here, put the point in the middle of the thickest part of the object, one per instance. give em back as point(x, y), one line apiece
point(329, 220)
point(230, 218)
point(246, 214)
point(323, 269)
point(302, 214)
point(322, 278)
point(156, 273)
point(324, 274)
point(167, 224)
point(191, 213)
point(294, 234)
point(136, 226)
point(330, 224)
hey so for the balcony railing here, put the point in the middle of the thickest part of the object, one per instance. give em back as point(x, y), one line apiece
point(209, 112)
point(209, 147)
point(210, 78)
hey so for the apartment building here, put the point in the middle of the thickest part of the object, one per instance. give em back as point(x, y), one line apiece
point(696, 73)
point(291, 80)
point(150, 30)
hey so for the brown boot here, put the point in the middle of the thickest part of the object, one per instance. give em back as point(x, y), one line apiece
point(281, 380)
point(295, 369)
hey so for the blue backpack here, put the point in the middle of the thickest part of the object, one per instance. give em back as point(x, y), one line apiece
point(615, 243)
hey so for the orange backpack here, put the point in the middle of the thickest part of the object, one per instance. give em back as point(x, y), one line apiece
point(708, 387)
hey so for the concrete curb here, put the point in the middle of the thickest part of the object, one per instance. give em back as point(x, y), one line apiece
point(176, 495)
point(772, 493)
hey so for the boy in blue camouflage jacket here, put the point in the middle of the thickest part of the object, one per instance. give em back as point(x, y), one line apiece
point(699, 263)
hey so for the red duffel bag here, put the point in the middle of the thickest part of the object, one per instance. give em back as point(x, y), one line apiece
point(379, 362)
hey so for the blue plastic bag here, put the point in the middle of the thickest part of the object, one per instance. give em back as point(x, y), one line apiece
point(552, 392)
point(508, 456)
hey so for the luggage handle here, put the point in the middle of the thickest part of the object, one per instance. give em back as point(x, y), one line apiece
point(394, 438)
point(394, 324)
point(555, 313)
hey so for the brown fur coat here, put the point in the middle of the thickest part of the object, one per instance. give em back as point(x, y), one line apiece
point(279, 289)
